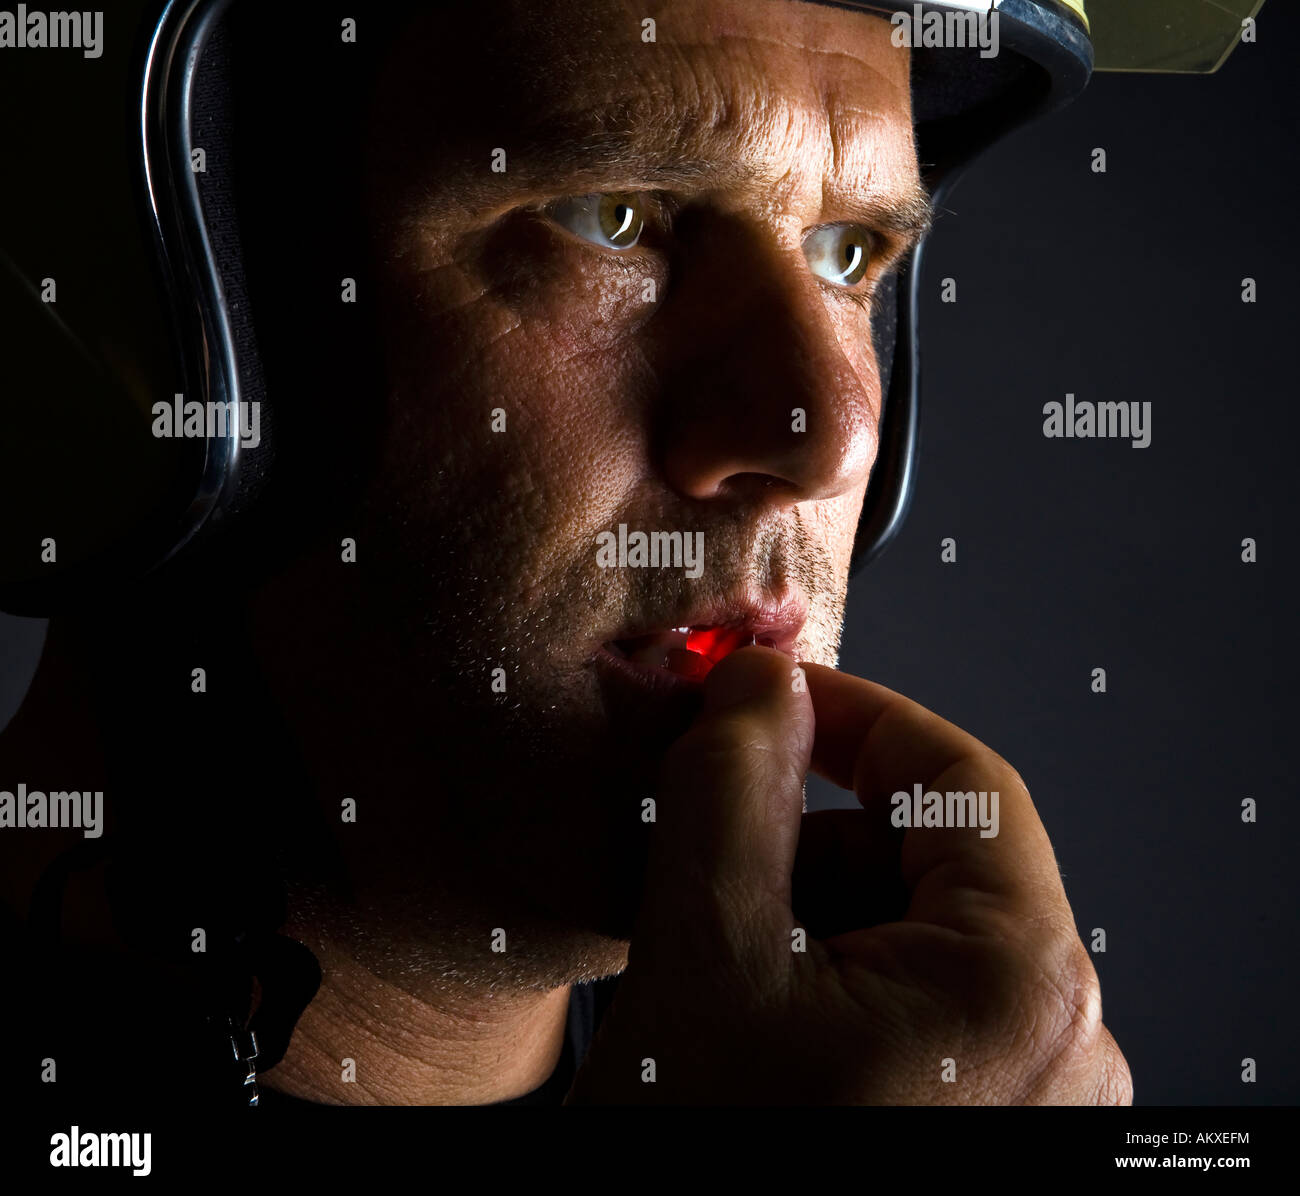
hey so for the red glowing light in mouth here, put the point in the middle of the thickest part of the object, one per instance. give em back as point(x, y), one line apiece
point(713, 643)
point(687, 651)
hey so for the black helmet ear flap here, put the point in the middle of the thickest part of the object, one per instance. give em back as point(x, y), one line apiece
point(962, 102)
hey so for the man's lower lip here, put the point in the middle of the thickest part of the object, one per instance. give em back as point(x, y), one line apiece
point(649, 678)
point(690, 652)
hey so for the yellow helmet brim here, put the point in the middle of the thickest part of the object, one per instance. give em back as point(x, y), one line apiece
point(1192, 37)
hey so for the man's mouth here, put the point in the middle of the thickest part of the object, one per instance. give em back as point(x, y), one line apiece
point(651, 670)
point(689, 652)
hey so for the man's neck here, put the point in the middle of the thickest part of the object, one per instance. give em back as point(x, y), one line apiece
point(446, 1047)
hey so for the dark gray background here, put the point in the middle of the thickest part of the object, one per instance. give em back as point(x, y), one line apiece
point(1076, 554)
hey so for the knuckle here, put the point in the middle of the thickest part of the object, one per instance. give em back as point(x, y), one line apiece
point(1080, 1003)
point(1116, 1087)
point(1065, 1036)
point(1039, 1022)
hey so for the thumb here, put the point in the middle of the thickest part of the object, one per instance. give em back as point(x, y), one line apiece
point(727, 819)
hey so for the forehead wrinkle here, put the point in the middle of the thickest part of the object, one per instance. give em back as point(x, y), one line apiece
point(701, 121)
point(828, 120)
point(860, 156)
point(758, 138)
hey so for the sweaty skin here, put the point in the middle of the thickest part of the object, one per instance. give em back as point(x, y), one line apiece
point(752, 124)
point(540, 390)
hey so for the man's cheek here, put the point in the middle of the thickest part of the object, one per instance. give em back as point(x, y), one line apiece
point(549, 457)
point(583, 297)
point(843, 515)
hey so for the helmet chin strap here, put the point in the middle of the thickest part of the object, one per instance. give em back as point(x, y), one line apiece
point(288, 977)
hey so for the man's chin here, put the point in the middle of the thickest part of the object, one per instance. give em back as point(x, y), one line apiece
point(568, 805)
point(599, 894)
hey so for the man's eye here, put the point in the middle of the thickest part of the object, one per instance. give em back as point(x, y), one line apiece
point(612, 219)
point(839, 253)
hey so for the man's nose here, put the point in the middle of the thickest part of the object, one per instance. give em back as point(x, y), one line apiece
point(761, 389)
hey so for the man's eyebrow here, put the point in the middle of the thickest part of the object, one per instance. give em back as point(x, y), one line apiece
point(664, 139)
point(910, 214)
point(598, 160)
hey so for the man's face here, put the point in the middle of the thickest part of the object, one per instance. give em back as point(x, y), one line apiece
point(690, 354)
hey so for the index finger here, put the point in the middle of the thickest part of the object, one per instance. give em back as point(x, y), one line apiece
point(883, 746)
